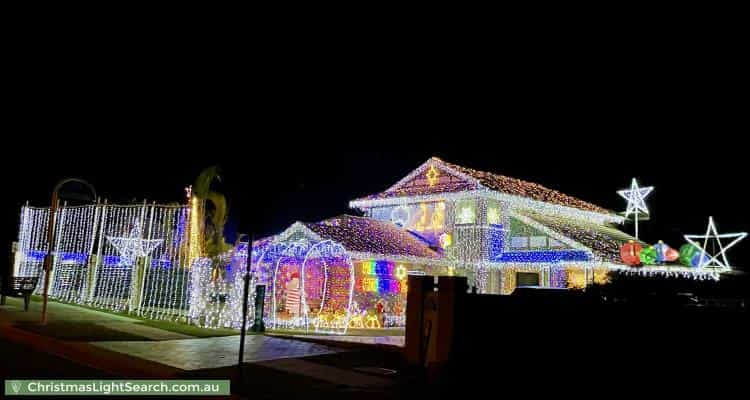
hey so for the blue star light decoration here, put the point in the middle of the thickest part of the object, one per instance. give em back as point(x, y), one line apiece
point(718, 260)
point(636, 197)
point(133, 246)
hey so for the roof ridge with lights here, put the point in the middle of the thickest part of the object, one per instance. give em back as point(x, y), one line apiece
point(478, 180)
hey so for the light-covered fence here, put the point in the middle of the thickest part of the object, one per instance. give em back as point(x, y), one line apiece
point(132, 258)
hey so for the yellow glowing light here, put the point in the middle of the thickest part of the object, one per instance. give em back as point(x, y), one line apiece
point(370, 284)
point(451, 271)
point(338, 320)
point(356, 322)
point(438, 216)
point(400, 272)
point(432, 176)
point(195, 237)
point(601, 276)
point(368, 267)
point(372, 322)
point(576, 278)
point(423, 223)
point(446, 240)
point(324, 321)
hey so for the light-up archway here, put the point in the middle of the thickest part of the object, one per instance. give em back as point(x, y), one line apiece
point(311, 282)
point(328, 281)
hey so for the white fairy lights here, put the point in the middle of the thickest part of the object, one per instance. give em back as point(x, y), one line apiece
point(134, 245)
point(32, 242)
point(123, 258)
point(636, 197)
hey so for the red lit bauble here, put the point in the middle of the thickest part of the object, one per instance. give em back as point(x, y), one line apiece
point(630, 253)
point(671, 255)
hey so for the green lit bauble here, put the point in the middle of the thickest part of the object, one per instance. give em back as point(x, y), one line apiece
point(648, 255)
point(687, 252)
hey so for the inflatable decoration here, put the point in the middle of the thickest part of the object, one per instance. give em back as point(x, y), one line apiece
point(648, 255)
point(629, 252)
point(664, 253)
point(691, 256)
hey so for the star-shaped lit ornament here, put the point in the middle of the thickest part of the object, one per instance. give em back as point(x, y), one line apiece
point(133, 246)
point(718, 260)
point(432, 176)
point(636, 197)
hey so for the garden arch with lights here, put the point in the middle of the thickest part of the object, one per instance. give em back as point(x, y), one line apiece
point(312, 285)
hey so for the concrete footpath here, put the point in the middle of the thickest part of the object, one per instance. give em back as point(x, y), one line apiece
point(122, 346)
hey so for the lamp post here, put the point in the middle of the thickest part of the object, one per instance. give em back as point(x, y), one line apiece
point(51, 237)
point(245, 293)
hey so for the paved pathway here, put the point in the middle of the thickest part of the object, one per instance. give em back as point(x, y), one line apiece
point(144, 331)
point(192, 354)
point(385, 340)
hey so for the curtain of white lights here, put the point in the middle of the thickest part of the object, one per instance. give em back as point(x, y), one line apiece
point(119, 257)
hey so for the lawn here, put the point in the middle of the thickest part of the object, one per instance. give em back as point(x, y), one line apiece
point(171, 326)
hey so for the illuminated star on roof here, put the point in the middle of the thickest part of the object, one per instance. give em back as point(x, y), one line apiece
point(432, 176)
point(636, 198)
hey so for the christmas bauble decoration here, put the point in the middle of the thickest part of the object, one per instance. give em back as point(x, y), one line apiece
point(648, 255)
point(687, 251)
point(671, 255)
point(699, 258)
point(629, 253)
point(664, 253)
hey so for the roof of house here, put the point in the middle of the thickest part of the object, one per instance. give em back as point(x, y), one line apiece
point(367, 235)
point(499, 183)
point(603, 240)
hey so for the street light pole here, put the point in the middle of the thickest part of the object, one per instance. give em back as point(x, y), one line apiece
point(245, 293)
point(51, 238)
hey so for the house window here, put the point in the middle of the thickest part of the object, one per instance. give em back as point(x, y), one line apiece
point(538, 241)
point(519, 242)
point(493, 213)
point(527, 279)
point(466, 212)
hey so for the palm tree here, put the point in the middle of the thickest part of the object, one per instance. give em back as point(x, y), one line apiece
point(214, 243)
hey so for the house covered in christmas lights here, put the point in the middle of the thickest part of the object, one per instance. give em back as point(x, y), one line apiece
point(347, 271)
point(441, 219)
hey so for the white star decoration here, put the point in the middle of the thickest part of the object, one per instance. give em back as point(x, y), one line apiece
point(635, 197)
point(134, 246)
point(714, 261)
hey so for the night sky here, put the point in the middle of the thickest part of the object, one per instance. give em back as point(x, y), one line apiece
point(298, 139)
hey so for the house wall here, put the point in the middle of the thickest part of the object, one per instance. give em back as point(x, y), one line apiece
point(477, 230)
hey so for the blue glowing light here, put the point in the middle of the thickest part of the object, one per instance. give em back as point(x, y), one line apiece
point(36, 255)
point(496, 242)
point(78, 258)
point(497, 254)
point(66, 257)
point(545, 256)
point(161, 263)
point(111, 260)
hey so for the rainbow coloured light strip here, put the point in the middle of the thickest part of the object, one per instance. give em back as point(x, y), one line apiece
point(380, 277)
